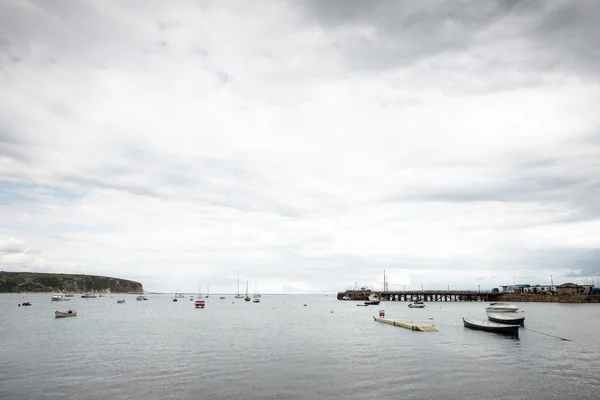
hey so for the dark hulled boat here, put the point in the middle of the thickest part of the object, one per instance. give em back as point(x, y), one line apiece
point(512, 330)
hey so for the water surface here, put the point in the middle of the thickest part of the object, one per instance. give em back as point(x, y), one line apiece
point(281, 349)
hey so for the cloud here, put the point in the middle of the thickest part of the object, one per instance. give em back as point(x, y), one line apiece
point(305, 146)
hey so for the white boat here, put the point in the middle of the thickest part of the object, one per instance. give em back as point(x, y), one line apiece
point(416, 305)
point(255, 296)
point(120, 301)
point(57, 297)
point(501, 307)
point(69, 295)
point(238, 295)
point(88, 296)
point(507, 319)
point(63, 314)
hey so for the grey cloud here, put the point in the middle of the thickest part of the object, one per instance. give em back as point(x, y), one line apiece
point(559, 36)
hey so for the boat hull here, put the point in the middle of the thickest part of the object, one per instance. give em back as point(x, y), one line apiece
point(510, 330)
point(416, 306)
point(504, 319)
point(372, 303)
point(61, 314)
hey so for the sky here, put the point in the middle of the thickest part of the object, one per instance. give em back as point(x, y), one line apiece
point(304, 146)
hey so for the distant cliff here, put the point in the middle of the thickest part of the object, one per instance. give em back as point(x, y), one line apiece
point(16, 282)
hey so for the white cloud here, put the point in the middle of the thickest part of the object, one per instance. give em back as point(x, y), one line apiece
point(276, 142)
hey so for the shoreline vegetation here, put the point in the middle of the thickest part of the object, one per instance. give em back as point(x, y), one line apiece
point(34, 282)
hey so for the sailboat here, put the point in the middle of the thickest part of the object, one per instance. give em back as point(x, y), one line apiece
point(199, 303)
point(207, 287)
point(247, 298)
point(255, 296)
point(238, 295)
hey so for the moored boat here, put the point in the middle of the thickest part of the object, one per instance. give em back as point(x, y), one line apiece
point(120, 301)
point(199, 303)
point(88, 296)
point(57, 297)
point(372, 302)
point(63, 314)
point(488, 326)
point(26, 304)
point(416, 305)
point(69, 295)
point(506, 319)
point(502, 307)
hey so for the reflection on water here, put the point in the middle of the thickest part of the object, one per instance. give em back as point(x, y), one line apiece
point(280, 349)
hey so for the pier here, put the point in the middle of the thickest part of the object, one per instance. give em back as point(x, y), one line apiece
point(413, 326)
point(424, 295)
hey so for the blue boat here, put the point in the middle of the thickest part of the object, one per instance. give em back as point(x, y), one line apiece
point(512, 330)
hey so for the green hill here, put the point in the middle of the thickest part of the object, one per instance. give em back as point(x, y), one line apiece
point(17, 282)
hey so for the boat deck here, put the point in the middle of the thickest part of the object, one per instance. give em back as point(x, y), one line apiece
point(412, 325)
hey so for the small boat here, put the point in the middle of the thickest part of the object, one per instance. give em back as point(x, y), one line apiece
point(362, 305)
point(57, 297)
point(140, 298)
point(372, 303)
point(199, 303)
point(69, 295)
point(487, 326)
point(120, 301)
point(247, 298)
point(175, 300)
point(88, 296)
point(256, 300)
point(416, 305)
point(238, 295)
point(502, 307)
point(101, 295)
point(222, 298)
point(63, 314)
point(26, 304)
point(506, 319)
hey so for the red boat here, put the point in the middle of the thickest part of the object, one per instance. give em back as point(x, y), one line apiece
point(199, 303)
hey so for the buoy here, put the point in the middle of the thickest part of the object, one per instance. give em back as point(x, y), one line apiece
point(381, 313)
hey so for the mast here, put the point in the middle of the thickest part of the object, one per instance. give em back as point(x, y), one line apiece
point(238, 292)
point(246, 288)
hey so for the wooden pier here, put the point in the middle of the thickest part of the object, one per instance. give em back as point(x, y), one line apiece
point(413, 326)
point(426, 295)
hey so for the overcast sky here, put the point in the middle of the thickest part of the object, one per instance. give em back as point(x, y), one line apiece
point(303, 145)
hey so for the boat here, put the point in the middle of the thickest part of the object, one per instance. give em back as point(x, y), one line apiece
point(372, 303)
point(247, 298)
point(88, 296)
point(69, 295)
point(207, 287)
point(416, 305)
point(63, 314)
point(57, 297)
point(140, 298)
point(502, 307)
point(222, 298)
point(506, 319)
point(26, 304)
point(255, 296)
point(487, 326)
point(238, 295)
point(199, 303)
point(120, 301)
point(101, 295)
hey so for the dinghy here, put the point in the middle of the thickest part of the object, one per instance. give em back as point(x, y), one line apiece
point(487, 326)
point(502, 307)
point(506, 319)
point(63, 314)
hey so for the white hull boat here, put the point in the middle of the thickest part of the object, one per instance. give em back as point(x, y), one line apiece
point(501, 307)
point(64, 314)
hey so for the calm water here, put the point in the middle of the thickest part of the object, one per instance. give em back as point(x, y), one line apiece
point(279, 349)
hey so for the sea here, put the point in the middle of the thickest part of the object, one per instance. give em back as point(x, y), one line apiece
point(290, 347)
